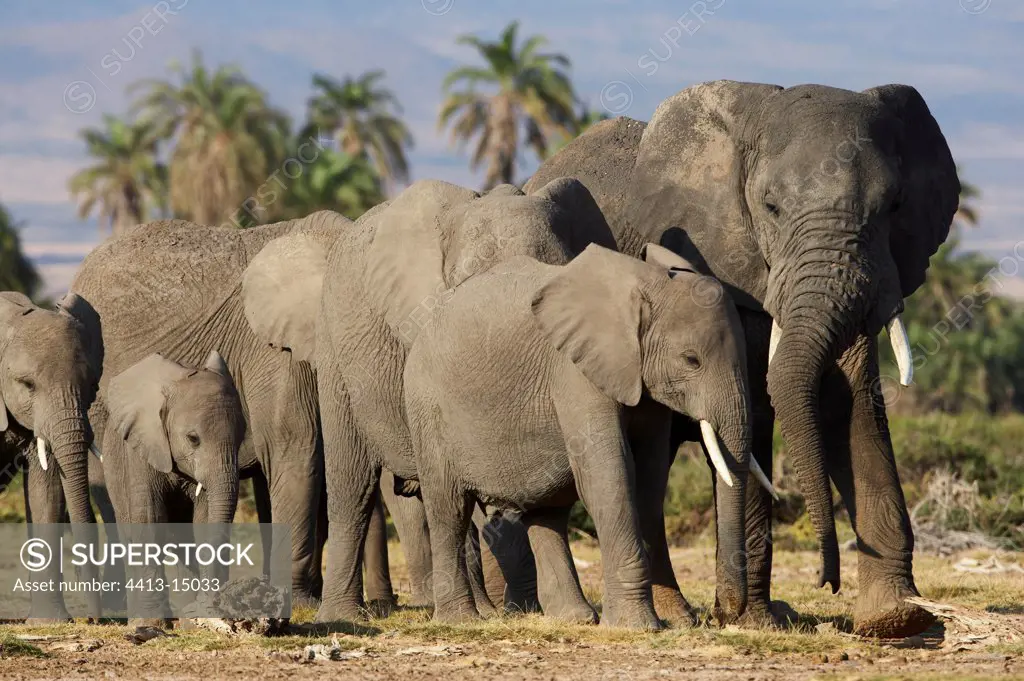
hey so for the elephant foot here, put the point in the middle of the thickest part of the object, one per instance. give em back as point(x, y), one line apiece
point(673, 607)
point(153, 622)
point(48, 621)
point(340, 612)
point(574, 613)
point(638, 615)
point(461, 613)
point(421, 599)
point(881, 612)
point(764, 615)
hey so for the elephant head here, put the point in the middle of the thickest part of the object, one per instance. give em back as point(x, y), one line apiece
point(183, 420)
point(50, 364)
point(824, 206)
point(427, 240)
point(660, 328)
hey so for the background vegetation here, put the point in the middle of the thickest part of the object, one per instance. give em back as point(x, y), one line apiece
point(206, 144)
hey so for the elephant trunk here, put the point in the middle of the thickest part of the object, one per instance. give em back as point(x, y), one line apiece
point(830, 296)
point(735, 437)
point(223, 490)
point(67, 435)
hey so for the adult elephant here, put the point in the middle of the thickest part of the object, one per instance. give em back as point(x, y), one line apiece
point(357, 312)
point(174, 288)
point(49, 368)
point(819, 208)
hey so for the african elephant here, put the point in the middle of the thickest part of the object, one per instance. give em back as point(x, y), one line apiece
point(358, 310)
point(49, 368)
point(174, 287)
point(174, 432)
point(818, 208)
point(584, 362)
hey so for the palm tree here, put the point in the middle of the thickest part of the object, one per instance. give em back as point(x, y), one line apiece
point(530, 90)
point(228, 140)
point(17, 272)
point(127, 182)
point(335, 181)
point(358, 113)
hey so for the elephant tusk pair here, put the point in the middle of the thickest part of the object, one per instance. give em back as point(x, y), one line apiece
point(42, 449)
point(718, 460)
point(897, 337)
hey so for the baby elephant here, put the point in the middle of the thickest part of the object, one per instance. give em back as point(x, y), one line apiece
point(526, 390)
point(181, 429)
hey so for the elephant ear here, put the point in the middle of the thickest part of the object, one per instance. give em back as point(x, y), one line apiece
point(590, 311)
point(136, 401)
point(405, 263)
point(281, 293)
point(79, 309)
point(931, 188)
point(12, 306)
point(689, 179)
point(587, 224)
point(662, 257)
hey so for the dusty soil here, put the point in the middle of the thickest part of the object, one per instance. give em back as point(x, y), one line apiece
point(408, 645)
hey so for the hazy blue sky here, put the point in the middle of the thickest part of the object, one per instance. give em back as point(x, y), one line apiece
point(65, 63)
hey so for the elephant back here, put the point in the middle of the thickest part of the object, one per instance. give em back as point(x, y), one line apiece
point(602, 159)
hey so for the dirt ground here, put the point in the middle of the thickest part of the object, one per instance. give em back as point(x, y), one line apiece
point(408, 645)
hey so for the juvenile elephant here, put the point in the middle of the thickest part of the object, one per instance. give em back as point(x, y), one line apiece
point(174, 287)
point(819, 209)
point(174, 433)
point(371, 292)
point(170, 452)
point(49, 367)
point(538, 384)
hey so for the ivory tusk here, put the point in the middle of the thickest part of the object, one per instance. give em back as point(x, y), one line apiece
point(41, 450)
point(773, 344)
point(96, 452)
point(711, 442)
point(199, 489)
point(755, 469)
point(901, 348)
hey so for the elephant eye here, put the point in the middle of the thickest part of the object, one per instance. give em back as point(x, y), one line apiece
point(692, 360)
point(193, 439)
point(29, 384)
point(771, 207)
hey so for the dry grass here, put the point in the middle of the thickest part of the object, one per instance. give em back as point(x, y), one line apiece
point(383, 644)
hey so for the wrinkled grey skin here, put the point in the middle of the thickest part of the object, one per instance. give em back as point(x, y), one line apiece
point(384, 277)
point(49, 368)
point(819, 208)
point(172, 428)
point(584, 362)
point(173, 287)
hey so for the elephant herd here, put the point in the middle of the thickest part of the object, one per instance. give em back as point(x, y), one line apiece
point(479, 362)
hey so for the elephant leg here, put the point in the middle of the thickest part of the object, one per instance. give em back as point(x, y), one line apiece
point(509, 568)
point(649, 431)
point(114, 603)
point(377, 573)
point(604, 476)
point(44, 508)
point(475, 571)
point(759, 612)
point(863, 467)
point(558, 584)
point(352, 481)
point(410, 521)
point(448, 513)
